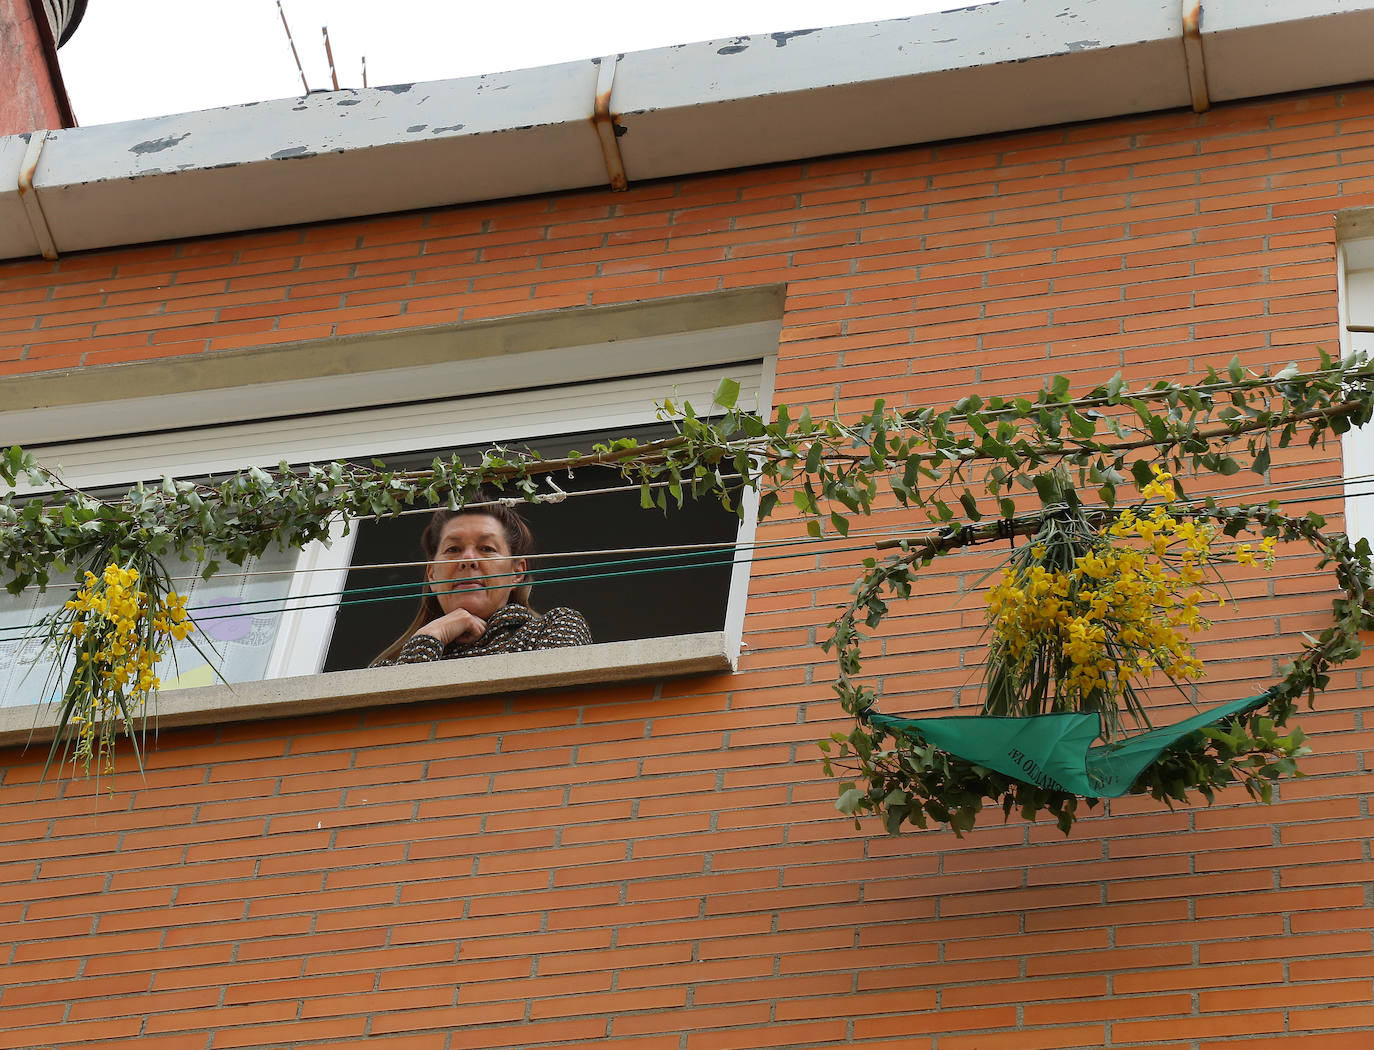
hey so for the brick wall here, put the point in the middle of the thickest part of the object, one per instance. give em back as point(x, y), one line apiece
point(659, 865)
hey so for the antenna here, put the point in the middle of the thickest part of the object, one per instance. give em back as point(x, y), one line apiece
point(282, 11)
point(329, 54)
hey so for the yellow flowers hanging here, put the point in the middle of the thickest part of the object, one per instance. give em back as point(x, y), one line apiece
point(114, 631)
point(1087, 615)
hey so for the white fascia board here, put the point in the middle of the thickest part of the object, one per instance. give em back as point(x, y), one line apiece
point(992, 67)
point(1266, 47)
point(1255, 14)
point(325, 156)
point(973, 38)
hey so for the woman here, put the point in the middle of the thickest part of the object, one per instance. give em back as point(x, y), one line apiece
point(478, 601)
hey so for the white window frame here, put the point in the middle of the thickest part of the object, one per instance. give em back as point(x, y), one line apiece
point(248, 420)
point(1355, 297)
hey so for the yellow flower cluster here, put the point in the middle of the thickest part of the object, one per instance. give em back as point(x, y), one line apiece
point(1124, 609)
point(119, 633)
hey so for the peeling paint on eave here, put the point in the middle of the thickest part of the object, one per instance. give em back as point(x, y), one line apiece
point(692, 107)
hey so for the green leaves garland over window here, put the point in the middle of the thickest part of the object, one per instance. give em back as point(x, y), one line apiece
point(984, 467)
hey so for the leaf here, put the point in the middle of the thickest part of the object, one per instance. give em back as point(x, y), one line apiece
point(1081, 426)
point(849, 801)
point(1047, 489)
point(727, 393)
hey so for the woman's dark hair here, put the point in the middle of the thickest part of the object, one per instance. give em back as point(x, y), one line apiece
point(519, 541)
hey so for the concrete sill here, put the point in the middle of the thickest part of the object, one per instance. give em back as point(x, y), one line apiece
point(373, 687)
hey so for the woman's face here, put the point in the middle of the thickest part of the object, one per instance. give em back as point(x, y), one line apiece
point(473, 554)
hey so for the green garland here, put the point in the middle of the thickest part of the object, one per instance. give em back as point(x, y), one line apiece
point(957, 463)
point(906, 781)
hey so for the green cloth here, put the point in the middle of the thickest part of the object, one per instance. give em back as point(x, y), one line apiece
point(1057, 751)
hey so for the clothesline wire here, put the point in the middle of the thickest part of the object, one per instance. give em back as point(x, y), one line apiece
point(569, 574)
point(885, 533)
point(291, 604)
point(560, 495)
point(285, 601)
point(876, 532)
point(540, 498)
point(682, 550)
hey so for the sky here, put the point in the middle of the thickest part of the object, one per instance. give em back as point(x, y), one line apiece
point(144, 58)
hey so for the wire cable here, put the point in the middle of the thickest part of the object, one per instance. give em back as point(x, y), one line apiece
point(292, 603)
point(657, 557)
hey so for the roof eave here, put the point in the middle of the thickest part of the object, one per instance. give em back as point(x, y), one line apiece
point(699, 107)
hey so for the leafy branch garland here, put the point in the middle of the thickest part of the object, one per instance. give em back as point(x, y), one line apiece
point(908, 781)
point(959, 462)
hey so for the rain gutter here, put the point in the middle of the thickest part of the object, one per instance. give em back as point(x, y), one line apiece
point(665, 113)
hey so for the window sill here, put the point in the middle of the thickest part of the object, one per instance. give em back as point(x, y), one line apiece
point(409, 683)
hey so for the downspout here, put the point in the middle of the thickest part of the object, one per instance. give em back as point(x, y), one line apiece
point(28, 194)
point(1193, 57)
point(607, 130)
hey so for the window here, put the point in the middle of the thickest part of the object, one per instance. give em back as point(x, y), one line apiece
point(619, 599)
point(583, 392)
point(1355, 239)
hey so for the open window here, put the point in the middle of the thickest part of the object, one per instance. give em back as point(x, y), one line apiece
point(681, 585)
point(282, 617)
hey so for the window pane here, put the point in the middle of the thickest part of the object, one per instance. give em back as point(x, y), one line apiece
point(237, 613)
point(24, 675)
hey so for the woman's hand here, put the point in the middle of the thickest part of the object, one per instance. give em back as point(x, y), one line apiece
point(457, 626)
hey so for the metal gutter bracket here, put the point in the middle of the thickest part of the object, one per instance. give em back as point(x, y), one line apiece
point(1193, 56)
point(29, 195)
point(606, 128)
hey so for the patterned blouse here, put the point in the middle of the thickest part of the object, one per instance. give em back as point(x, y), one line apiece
point(511, 629)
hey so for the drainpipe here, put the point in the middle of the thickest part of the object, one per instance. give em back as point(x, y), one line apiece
point(1193, 57)
point(607, 130)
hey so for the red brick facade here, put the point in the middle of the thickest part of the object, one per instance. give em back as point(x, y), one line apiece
point(659, 866)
